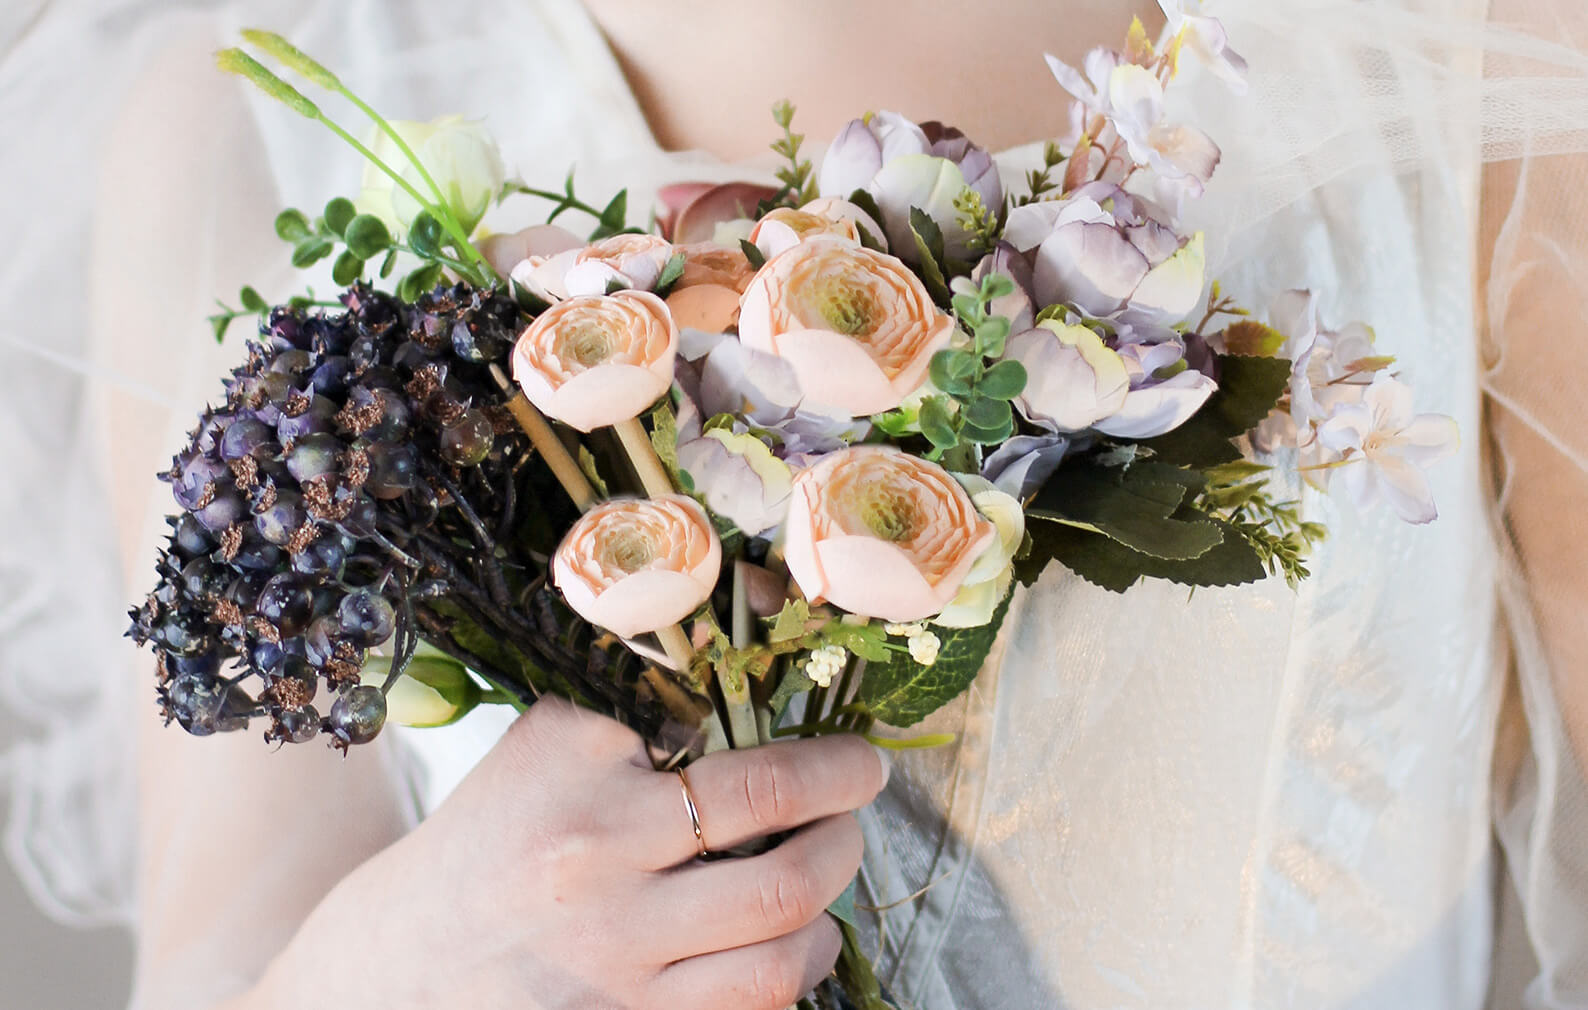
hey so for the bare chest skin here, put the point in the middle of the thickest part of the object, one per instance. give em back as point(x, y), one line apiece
point(706, 72)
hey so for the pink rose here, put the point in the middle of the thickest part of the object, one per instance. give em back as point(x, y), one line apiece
point(595, 361)
point(883, 534)
point(638, 564)
point(857, 326)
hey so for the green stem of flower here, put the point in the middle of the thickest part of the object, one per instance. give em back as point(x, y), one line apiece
point(562, 199)
point(495, 696)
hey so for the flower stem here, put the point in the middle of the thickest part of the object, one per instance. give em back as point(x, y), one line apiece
point(546, 442)
point(676, 644)
point(736, 690)
point(653, 476)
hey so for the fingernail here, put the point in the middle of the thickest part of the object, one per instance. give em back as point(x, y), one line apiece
point(887, 765)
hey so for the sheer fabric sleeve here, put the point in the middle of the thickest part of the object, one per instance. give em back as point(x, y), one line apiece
point(1534, 292)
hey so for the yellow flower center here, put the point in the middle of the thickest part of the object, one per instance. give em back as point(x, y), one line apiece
point(890, 513)
point(844, 304)
point(586, 343)
point(627, 550)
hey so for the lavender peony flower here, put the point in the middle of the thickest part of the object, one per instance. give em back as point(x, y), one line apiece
point(903, 165)
point(735, 472)
point(1105, 252)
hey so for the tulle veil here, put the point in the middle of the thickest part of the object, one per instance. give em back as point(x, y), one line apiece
point(1338, 88)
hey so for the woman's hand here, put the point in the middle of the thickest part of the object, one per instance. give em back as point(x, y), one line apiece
point(563, 874)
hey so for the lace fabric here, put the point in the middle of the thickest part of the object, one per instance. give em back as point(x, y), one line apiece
point(1247, 829)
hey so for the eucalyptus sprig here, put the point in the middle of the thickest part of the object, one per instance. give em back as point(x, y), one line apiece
point(977, 386)
point(799, 183)
point(253, 304)
point(365, 238)
point(472, 265)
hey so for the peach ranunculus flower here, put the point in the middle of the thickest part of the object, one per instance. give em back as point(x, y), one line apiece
point(706, 296)
point(881, 533)
point(635, 565)
point(595, 361)
point(784, 227)
point(625, 261)
point(857, 326)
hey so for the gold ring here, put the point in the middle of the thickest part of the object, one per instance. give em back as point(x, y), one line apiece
point(694, 812)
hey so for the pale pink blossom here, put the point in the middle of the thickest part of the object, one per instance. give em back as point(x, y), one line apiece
point(640, 564)
point(591, 362)
point(1379, 447)
point(881, 533)
point(622, 261)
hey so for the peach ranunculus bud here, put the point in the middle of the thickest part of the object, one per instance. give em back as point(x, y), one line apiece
point(635, 565)
point(592, 362)
point(857, 326)
point(624, 261)
point(706, 296)
point(785, 227)
point(881, 533)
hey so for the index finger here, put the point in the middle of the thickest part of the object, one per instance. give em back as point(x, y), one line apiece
point(742, 795)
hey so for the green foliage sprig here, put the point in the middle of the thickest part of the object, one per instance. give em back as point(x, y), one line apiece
point(1039, 181)
point(977, 220)
point(799, 182)
point(1239, 493)
point(611, 219)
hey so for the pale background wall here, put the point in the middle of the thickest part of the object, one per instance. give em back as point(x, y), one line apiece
point(45, 966)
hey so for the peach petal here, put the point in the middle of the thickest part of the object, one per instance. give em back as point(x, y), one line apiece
point(709, 307)
point(857, 566)
point(604, 395)
point(841, 369)
point(646, 601)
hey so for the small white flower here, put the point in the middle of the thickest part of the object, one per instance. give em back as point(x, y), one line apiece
point(1379, 447)
point(905, 630)
point(825, 663)
point(924, 647)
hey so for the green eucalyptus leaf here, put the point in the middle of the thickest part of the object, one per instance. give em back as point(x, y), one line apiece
point(901, 692)
point(992, 335)
point(311, 251)
point(338, 213)
point(1003, 381)
point(945, 371)
point(425, 235)
point(367, 236)
point(936, 424)
point(419, 281)
point(252, 300)
point(388, 264)
point(219, 324)
point(990, 414)
point(292, 225)
point(988, 436)
point(347, 268)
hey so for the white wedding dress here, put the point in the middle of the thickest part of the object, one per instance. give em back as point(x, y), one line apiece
point(1242, 799)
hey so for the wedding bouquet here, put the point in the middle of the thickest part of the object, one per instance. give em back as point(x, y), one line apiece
point(768, 467)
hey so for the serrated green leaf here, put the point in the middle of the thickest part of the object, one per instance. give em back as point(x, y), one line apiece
point(1139, 506)
point(1249, 338)
point(1249, 387)
point(338, 213)
point(252, 300)
point(1003, 381)
point(865, 201)
point(1108, 563)
point(901, 692)
point(790, 622)
point(929, 246)
point(292, 225)
point(347, 268)
point(425, 235)
point(367, 236)
point(311, 251)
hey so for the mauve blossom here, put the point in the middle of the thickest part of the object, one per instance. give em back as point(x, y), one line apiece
point(904, 165)
point(1105, 252)
point(735, 472)
point(1024, 463)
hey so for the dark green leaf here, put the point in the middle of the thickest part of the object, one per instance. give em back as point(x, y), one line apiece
point(1003, 381)
point(388, 264)
point(367, 236)
point(219, 324)
point(901, 692)
point(419, 282)
point(1139, 506)
point(844, 908)
point(936, 424)
point(252, 300)
point(988, 414)
point(1248, 389)
point(868, 203)
point(753, 254)
point(425, 235)
point(929, 245)
point(948, 372)
point(673, 270)
point(1110, 564)
point(338, 213)
point(988, 436)
point(311, 251)
point(292, 226)
point(347, 268)
point(856, 975)
point(613, 216)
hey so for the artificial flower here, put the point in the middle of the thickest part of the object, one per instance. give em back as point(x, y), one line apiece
point(1206, 38)
point(989, 579)
point(1024, 463)
point(1379, 447)
point(1105, 252)
point(434, 690)
point(881, 533)
point(594, 361)
point(784, 227)
point(1163, 394)
point(735, 472)
point(694, 211)
point(904, 165)
point(635, 565)
point(857, 326)
point(626, 261)
point(461, 157)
